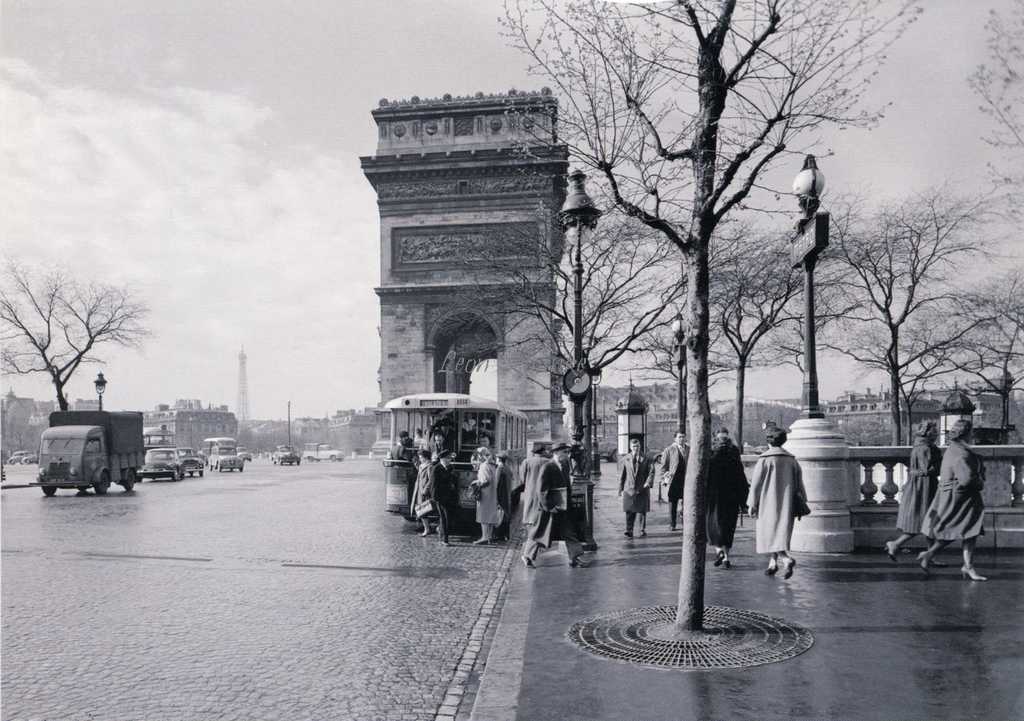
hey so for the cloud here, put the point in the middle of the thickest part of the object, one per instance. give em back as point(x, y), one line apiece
point(232, 239)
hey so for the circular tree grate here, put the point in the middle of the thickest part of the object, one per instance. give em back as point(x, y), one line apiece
point(732, 638)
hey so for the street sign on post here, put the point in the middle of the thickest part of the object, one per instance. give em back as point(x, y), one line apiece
point(809, 242)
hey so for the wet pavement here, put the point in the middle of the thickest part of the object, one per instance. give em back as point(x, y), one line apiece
point(888, 642)
point(279, 593)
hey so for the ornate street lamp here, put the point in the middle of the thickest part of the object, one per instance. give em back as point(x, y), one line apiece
point(679, 351)
point(804, 252)
point(579, 212)
point(101, 386)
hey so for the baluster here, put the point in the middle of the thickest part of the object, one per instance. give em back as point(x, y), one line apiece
point(889, 488)
point(868, 489)
point(1017, 487)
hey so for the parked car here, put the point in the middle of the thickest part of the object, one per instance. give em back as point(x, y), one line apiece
point(244, 454)
point(161, 463)
point(230, 463)
point(190, 462)
point(321, 452)
point(286, 456)
point(18, 457)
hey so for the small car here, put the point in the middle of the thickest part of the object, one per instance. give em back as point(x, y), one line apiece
point(18, 457)
point(230, 463)
point(190, 462)
point(286, 456)
point(244, 454)
point(30, 459)
point(160, 463)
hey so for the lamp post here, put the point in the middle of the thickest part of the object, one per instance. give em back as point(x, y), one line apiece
point(579, 213)
point(807, 246)
point(101, 386)
point(595, 421)
point(679, 351)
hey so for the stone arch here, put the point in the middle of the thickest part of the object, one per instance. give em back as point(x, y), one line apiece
point(459, 342)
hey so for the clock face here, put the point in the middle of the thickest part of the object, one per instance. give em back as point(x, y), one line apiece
point(576, 382)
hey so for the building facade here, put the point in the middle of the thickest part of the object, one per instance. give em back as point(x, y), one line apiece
point(189, 422)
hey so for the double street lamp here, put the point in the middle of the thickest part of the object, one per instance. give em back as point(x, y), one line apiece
point(679, 354)
point(101, 386)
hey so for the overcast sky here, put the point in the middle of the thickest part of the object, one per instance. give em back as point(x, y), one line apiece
point(207, 153)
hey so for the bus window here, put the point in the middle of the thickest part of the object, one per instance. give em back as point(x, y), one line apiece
point(468, 430)
point(486, 422)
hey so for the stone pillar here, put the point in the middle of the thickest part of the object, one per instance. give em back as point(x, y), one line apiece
point(822, 451)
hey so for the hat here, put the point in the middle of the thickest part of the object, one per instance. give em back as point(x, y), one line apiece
point(560, 447)
point(538, 447)
point(445, 454)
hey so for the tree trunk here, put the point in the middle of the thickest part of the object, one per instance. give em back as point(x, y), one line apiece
point(897, 415)
point(690, 613)
point(741, 381)
point(62, 402)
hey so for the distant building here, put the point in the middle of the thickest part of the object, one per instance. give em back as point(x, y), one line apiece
point(190, 423)
point(353, 431)
point(86, 404)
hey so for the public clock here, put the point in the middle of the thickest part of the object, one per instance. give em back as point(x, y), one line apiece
point(576, 382)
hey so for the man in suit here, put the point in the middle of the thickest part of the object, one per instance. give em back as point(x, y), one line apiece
point(554, 521)
point(443, 491)
point(673, 471)
point(636, 478)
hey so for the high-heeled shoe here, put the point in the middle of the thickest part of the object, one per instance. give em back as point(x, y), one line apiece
point(923, 558)
point(771, 570)
point(789, 568)
point(890, 552)
point(970, 573)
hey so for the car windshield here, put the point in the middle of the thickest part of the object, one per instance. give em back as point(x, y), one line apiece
point(62, 445)
point(286, 449)
point(224, 450)
point(185, 452)
point(159, 456)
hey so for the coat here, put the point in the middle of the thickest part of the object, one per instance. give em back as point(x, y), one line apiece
point(774, 482)
point(531, 496)
point(919, 490)
point(726, 493)
point(957, 510)
point(422, 474)
point(673, 467)
point(555, 525)
point(635, 481)
point(440, 486)
point(487, 503)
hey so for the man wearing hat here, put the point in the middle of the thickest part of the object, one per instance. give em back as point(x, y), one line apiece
point(555, 521)
point(442, 490)
point(531, 472)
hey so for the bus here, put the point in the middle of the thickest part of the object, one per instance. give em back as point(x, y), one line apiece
point(214, 448)
point(153, 437)
point(465, 423)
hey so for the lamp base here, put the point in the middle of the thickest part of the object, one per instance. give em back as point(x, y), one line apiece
point(822, 450)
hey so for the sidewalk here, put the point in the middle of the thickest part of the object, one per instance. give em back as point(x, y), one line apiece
point(889, 643)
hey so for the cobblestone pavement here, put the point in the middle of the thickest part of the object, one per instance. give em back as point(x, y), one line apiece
point(280, 593)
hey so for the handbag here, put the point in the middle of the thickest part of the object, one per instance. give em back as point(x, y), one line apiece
point(800, 507)
point(423, 509)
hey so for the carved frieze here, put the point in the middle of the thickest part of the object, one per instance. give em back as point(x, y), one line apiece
point(415, 248)
point(469, 186)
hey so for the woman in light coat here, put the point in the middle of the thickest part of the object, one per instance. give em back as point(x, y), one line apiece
point(957, 511)
point(422, 479)
point(775, 484)
point(488, 513)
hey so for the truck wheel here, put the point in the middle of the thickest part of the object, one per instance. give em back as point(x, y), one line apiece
point(49, 490)
point(103, 485)
point(129, 482)
point(178, 476)
point(200, 474)
point(82, 489)
point(241, 468)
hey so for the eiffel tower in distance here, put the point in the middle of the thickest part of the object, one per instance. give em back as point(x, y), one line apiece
point(242, 406)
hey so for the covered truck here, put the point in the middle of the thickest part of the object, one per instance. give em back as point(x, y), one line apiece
point(83, 449)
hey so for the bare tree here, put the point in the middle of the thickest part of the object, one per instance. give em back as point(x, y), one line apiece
point(52, 323)
point(900, 266)
point(992, 353)
point(681, 109)
point(999, 84)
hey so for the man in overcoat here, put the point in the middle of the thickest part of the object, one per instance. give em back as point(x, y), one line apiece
point(673, 470)
point(530, 472)
point(636, 478)
point(554, 520)
point(443, 491)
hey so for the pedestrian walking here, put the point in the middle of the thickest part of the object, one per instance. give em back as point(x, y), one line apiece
point(726, 495)
point(957, 511)
point(636, 477)
point(918, 492)
point(673, 472)
point(486, 491)
point(553, 510)
point(441, 489)
point(530, 497)
point(422, 480)
point(776, 493)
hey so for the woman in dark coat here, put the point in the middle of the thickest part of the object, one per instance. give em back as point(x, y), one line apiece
point(726, 493)
point(919, 490)
point(957, 510)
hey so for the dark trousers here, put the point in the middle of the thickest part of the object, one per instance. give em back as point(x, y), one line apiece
point(630, 520)
point(673, 510)
point(442, 522)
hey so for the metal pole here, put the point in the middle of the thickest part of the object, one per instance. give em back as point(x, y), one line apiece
point(577, 330)
point(811, 406)
point(681, 382)
point(289, 423)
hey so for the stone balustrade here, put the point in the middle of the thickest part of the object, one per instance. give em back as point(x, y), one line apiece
point(875, 477)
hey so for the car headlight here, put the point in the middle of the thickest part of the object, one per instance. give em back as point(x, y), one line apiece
point(73, 471)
